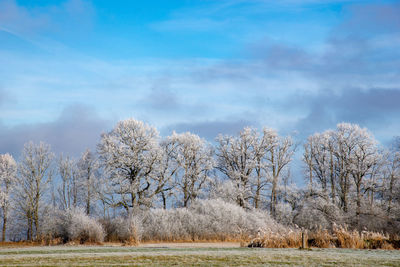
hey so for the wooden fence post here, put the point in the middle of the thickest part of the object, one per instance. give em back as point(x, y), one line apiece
point(303, 240)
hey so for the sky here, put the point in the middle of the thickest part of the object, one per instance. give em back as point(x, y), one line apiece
point(70, 69)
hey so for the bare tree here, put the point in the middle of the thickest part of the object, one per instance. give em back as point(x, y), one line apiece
point(391, 179)
point(68, 190)
point(35, 174)
point(167, 170)
point(254, 161)
point(88, 172)
point(130, 154)
point(279, 158)
point(8, 171)
point(235, 159)
point(194, 160)
point(262, 148)
point(317, 158)
point(364, 158)
point(347, 158)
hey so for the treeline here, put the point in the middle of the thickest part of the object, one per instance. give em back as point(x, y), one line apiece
point(134, 175)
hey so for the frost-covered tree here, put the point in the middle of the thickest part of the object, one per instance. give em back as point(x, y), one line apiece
point(130, 155)
point(68, 189)
point(262, 147)
point(235, 159)
point(318, 158)
point(364, 158)
point(8, 171)
point(193, 158)
point(391, 181)
point(88, 174)
point(347, 159)
point(252, 161)
point(279, 157)
point(167, 170)
point(34, 176)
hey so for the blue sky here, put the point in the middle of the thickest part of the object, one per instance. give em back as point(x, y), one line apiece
point(70, 70)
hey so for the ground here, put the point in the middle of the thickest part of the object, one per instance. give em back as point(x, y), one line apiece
point(189, 254)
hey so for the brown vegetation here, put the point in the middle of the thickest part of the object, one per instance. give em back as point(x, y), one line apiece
point(339, 237)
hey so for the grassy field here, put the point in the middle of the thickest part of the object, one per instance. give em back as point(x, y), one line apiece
point(195, 256)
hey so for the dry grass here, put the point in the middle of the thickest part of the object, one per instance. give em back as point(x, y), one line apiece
point(348, 239)
point(270, 239)
point(321, 239)
point(339, 237)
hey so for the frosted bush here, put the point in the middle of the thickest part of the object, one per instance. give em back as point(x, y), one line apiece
point(317, 213)
point(123, 229)
point(72, 225)
point(82, 228)
point(224, 190)
point(204, 220)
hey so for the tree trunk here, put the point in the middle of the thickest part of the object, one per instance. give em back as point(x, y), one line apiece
point(258, 190)
point(29, 233)
point(74, 192)
point(345, 192)
point(358, 209)
point(185, 192)
point(333, 193)
point(3, 237)
point(36, 216)
point(164, 199)
point(273, 196)
point(390, 193)
point(88, 196)
point(257, 198)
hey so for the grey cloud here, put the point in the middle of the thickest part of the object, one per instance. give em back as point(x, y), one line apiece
point(161, 97)
point(354, 78)
point(372, 108)
point(165, 98)
point(77, 128)
point(211, 129)
point(351, 47)
point(376, 17)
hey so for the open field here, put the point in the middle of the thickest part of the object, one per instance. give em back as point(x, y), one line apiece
point(165, 254)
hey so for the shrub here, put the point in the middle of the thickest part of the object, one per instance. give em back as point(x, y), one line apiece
point(72, 225)
point(123, 229)
point(204, 220)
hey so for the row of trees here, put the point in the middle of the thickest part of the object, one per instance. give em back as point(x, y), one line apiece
point(184, 166)
point(347, 169)
point(133, 169)
point(28, 187)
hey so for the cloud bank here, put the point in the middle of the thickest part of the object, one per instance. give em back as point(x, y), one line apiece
point(77, 128)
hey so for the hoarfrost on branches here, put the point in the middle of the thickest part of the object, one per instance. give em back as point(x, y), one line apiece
point(8, 172)
point(130, 155)
point(193, 159)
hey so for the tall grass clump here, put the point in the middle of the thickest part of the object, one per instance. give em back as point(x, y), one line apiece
point(281, 237)
point(338, 236)
point(346, 238)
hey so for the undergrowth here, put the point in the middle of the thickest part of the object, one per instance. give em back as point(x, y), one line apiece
point(338, 237)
